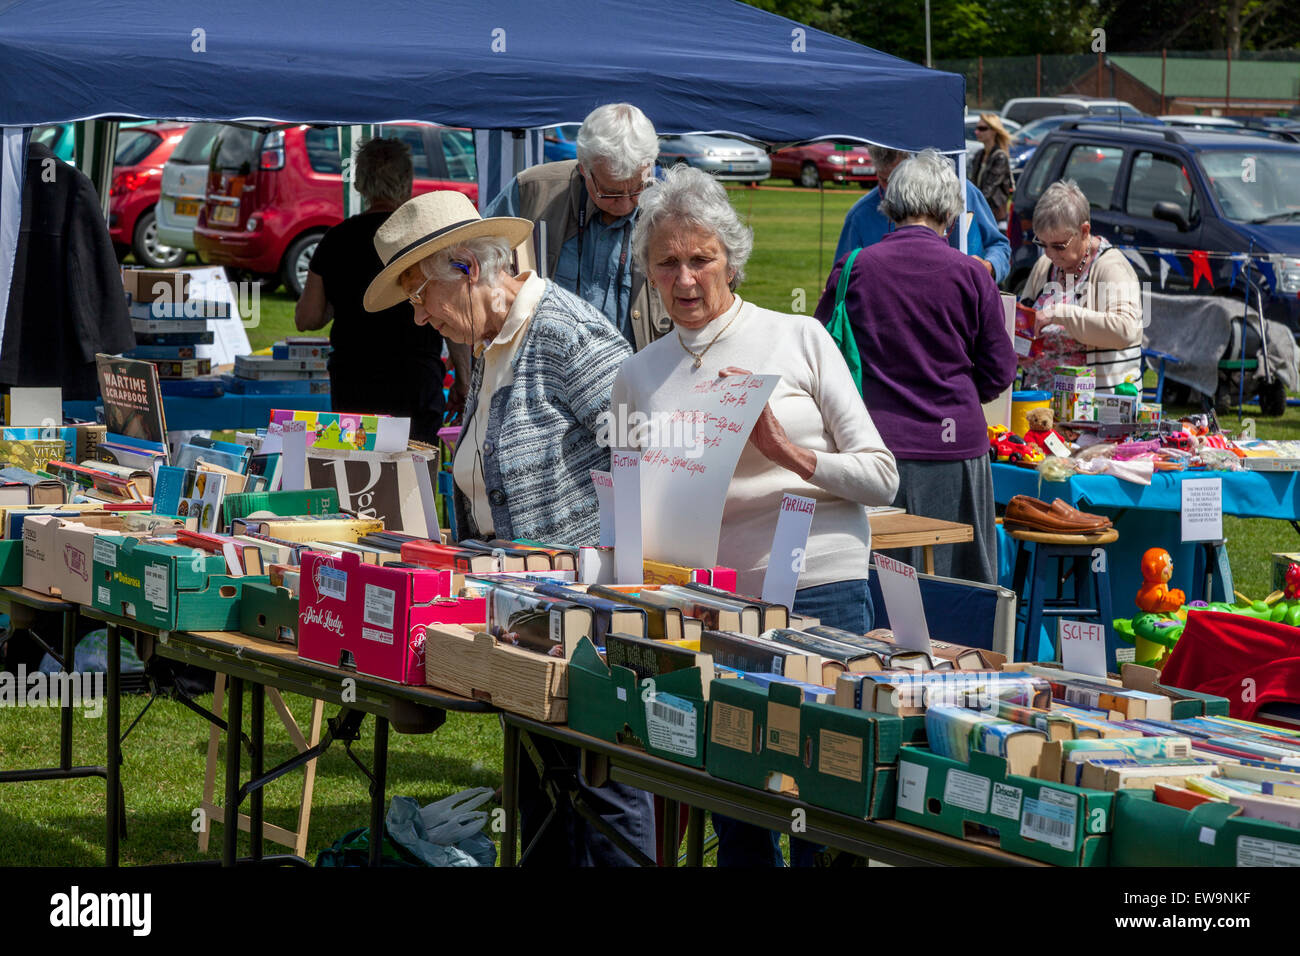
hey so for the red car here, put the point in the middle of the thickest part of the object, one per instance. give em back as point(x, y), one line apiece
point(815, 163)
point(271, 194)
point(133, 194)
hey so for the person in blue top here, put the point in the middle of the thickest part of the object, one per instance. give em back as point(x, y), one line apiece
point(866, 225)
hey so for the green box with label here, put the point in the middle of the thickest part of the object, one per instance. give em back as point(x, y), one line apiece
point(981, 802)
point(1213, 834)
point(667, 720)
point(269, 612)
point(166, 586)
point(836, 758)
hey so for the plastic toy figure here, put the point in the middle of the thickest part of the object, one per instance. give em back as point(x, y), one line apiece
point(1155, 597)
point(1291, 590)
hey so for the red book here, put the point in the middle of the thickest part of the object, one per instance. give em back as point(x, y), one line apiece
point(430, 554)
point(1179, 796)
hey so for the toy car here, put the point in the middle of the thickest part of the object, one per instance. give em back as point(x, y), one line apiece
point(1180, 440)
point(1006, 445)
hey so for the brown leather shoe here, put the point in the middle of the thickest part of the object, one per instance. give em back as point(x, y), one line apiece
point(1070, 513)
point(1033, 515)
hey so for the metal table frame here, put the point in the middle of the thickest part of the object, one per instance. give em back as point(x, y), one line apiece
point(886, 840)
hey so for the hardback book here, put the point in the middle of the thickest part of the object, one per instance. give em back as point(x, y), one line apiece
point(812, 693)
point(193, 452)
point(892, 656)
point(660, 572)
point(21, 487)
point(1176, 748)
point(306, 502)
point(528, 559)
point(711, 618)
point(429, 554)
point(955, 732)
point(32, 455)
point(133, 407)
point(130, 453)
point(310, 527)
point(1053, 725)
point(610, 617)
point(717, 615)
point(747, 653)
point(172, 339)
point(649, 659)
point(155, 353)
point(190, 493)
point(565, 559)
point(773, 615)
point(1137, 774)
point(1180, 797)
point(1101, 696)
point(907, 694)
point(751, 615)
point(836, 658)
point(662, 623)
point(111, 486)
point(536, 622)
point(183, 368)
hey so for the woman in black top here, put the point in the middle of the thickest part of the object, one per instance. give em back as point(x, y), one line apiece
point(382, 362)
point(990, 171)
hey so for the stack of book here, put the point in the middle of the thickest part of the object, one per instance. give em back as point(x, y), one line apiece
point(297, 365)
point(170, 323)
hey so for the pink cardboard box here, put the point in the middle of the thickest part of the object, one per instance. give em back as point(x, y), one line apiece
point(373, 615)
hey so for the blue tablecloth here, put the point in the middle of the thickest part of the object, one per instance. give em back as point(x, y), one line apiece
point(1147, 516)
point(230, 411)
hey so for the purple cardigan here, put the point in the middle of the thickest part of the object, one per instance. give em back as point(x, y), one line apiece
point(929, 326)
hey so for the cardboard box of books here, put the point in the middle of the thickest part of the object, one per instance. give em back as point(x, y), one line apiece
point(58, 555)
point(269, 612)
point(1137, 692)
point(981, 801)
point(665, 715)
point(373, 616)
point(831, 757)
point(166, 586)
point(471, 662)
point(1213, 833)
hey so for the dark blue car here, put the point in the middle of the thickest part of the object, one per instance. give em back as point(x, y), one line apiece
point(1027, 139)
point(1186, 202)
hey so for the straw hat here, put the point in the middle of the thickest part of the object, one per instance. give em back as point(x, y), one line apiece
point(423, 225)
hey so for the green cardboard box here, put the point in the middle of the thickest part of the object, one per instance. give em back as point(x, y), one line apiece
point(667, 720)
point(1183, 703)
point(168, 587)
point(269, 612)
point(1052, 822)
point(1213, 834)
point(839, 759)
point(11, 563)
point(311, 501)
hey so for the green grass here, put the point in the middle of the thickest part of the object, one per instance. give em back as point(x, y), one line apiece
point(61, 823)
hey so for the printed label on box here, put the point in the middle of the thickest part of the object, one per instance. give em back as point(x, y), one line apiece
point(622, 693)
point(732, 727)
point(105, 553)
point(1208, 836)
point(379, 606)
point(1006, 801)
point(1252, 851)
point(670, 724)
point(911, 786)
point(155, 585)
point(783, 729)
point(1051, 818)
point(966, 790)
point(379, 637)
point(102, 596)
point(332, 583)
point(840, 756)
point(1125, 655)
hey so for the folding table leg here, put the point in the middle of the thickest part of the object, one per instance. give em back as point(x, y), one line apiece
point(377, 787)
point(510, 792)
point(234, 730)
point(113, 760)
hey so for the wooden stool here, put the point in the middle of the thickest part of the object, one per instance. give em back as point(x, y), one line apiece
point(1081, 550)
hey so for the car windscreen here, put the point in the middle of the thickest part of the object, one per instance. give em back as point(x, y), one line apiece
point(133, 145)
point(235, 150)
point(196, 146)
point(1255, 186)
point(1033, 133)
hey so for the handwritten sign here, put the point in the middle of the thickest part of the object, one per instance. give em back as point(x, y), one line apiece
point(786, 561)
point(689, 455)
point(294, 456)
point(604, 483)
point(901, 590)
point(625, 472)
point(1202, 509)
point(1083, 647)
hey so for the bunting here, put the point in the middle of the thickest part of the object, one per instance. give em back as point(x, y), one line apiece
point(1200, 267)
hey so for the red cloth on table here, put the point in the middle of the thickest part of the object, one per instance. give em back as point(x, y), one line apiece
point(1217, 653)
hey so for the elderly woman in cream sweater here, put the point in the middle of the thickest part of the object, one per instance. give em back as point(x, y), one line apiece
point(1086, 286)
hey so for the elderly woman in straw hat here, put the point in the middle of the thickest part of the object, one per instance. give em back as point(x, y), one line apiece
point(544, 364)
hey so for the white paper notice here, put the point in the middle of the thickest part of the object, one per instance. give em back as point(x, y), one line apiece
point(605, 497)
point(273, 440)
point(901, 590)
point(294, 456)
point(689, 456)
point(36, 406)
point(1083, 647)
point(997, 411)
point(625, 472)
point(229, 335)
point(787, 558)
point(1202, 509)
point(427, 499)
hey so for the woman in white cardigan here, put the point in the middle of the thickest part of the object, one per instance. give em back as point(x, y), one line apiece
point(1086, 286)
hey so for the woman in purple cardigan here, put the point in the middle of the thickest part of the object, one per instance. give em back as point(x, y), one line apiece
point(929, 327)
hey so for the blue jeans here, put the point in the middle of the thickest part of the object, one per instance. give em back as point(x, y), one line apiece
point(843, 604)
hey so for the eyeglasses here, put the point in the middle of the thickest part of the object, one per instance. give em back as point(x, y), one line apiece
point(417, 297)
point(1055, 246)
point(600, 194)
point(982, 128)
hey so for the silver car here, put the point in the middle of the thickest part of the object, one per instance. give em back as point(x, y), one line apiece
point(184, 186)
point(723, 156)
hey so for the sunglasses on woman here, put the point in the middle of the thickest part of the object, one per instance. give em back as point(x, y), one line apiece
point(1055, 246)
point(982, 128)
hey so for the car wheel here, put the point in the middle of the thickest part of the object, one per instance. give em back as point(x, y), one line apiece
point(1272, 399)
point(148, 250)
point(809, 178)
point(1015, 458)
point(297, 262)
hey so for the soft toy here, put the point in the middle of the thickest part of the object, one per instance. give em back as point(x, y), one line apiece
point(1040, 427)
point(1154, 596)
point(1292, 588)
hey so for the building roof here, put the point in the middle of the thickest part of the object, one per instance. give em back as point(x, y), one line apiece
point(1197, 77)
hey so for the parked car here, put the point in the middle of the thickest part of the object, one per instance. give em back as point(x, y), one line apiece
point(1236, 124)
point(184, 181)
point(133, 193)
point(271, 194)
point(560, 142)
point(61, 139)
point(1027, 138)
point(815, 163)
point(1179, 190)
point(722, 156)
point(1025, 109)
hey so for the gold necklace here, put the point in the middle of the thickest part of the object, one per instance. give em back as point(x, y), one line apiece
point(699, 356)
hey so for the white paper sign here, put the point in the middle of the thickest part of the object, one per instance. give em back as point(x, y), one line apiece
point(605, 496)
point(997, 411)
point(294, 456)
point(1202, 509)
point(787, 558)
point(901, 589)
point(427, 498)
point(1083, 647)
point(230, 337)
point(36, 406)
point(689, 456)
point(625, 472)
point(273, 440)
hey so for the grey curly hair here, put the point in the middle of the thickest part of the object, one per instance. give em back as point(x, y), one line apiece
point(692, 198)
